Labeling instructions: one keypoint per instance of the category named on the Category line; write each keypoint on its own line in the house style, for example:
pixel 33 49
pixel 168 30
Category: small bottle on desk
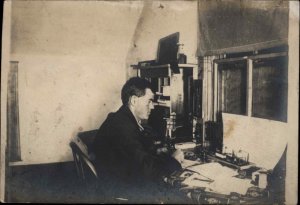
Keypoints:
pixel 182 59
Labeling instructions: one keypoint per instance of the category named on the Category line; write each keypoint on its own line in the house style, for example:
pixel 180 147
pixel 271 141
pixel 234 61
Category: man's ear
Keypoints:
pixel 132 100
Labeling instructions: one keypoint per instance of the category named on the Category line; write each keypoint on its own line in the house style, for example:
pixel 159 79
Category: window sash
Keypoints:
pixel 219 83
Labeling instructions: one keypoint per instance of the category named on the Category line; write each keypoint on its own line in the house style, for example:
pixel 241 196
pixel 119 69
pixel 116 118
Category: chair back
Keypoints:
pixel 83 155
pixel 82 149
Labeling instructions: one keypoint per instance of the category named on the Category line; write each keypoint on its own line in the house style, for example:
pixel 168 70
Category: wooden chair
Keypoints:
pixel 82 154
pixel 84 157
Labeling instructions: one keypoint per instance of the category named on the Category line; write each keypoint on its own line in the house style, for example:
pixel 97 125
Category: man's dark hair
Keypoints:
pixel 134 86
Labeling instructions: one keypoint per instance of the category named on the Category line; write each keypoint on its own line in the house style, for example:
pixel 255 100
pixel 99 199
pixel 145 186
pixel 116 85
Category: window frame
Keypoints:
pixel 217 81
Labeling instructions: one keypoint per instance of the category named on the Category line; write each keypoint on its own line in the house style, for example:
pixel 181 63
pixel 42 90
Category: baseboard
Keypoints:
pixel 22 163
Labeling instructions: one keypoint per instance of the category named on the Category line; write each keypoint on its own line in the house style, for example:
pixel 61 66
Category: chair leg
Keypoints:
pixel 76 164
pixel 82 175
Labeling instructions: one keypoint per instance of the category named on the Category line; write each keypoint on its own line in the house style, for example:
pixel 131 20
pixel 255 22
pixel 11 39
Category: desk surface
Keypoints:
pixel 216 183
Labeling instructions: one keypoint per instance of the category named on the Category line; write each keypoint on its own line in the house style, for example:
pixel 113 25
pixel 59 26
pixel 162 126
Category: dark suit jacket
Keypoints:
pixel 123 150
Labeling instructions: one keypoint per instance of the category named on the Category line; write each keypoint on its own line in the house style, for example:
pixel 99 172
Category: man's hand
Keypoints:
pixel 178 155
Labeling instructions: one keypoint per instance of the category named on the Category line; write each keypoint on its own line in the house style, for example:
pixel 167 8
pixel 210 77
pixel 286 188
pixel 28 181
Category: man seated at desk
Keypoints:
pixel 123 150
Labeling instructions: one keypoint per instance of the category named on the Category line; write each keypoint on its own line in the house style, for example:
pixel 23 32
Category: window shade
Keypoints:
pixel 237 26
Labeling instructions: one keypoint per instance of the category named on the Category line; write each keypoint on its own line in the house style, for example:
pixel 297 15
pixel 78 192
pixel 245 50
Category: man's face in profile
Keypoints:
pixel 144 105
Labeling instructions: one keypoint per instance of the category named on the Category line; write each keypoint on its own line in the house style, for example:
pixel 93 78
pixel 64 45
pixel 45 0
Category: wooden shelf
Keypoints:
pixel 187 65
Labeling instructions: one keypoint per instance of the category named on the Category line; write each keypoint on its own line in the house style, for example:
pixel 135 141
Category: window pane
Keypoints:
pixel 270 88
pixel 233 87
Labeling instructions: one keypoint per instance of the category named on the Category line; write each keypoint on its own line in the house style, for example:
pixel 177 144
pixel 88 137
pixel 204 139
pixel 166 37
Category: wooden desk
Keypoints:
pixel 201 195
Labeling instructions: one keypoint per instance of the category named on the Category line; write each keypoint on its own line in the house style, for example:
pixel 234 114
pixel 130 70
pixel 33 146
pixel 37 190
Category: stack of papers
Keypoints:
pixel 217 178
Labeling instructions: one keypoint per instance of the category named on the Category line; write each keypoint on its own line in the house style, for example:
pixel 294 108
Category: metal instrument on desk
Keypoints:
pixel 170 130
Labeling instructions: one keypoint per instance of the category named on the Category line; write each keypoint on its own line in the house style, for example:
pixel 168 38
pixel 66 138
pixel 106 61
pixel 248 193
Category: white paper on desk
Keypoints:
pixel 193 181
pixel 188 163
pixel 213 170
pixel 223 178
pixel 231 184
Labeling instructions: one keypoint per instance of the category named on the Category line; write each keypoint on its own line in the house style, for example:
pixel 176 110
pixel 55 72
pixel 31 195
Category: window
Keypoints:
pixel 255 85
pixel 233 95
pixel 269 98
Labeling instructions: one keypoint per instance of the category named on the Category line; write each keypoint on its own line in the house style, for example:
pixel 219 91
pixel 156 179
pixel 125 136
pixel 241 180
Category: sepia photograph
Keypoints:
pixel 150 102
